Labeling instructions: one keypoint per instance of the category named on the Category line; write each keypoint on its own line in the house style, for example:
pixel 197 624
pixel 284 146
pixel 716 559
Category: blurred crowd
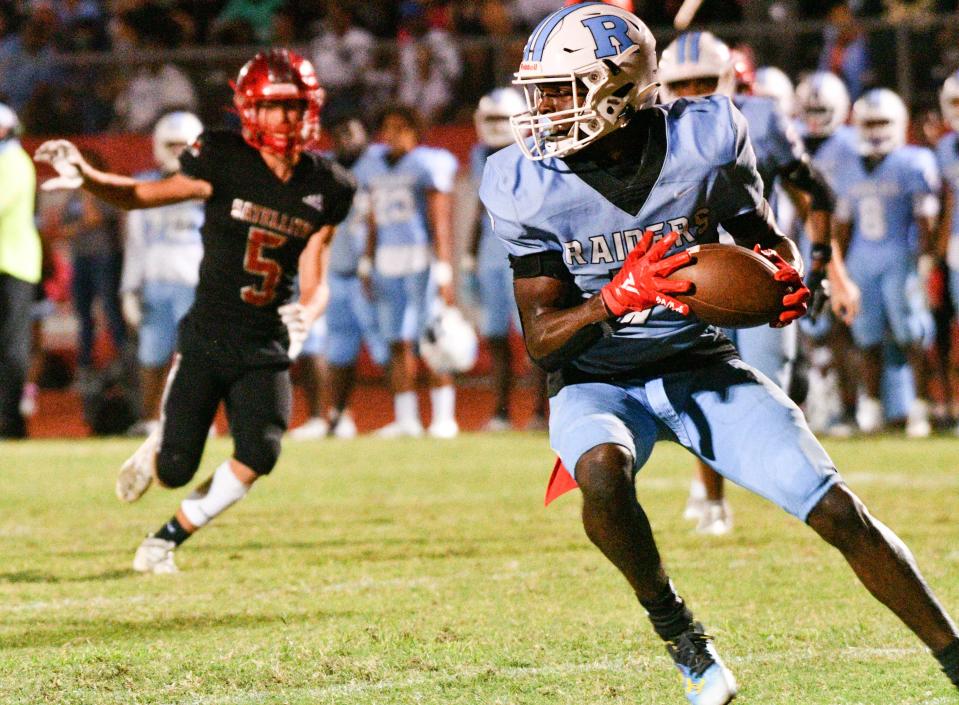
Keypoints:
pixel 152 56
pixel 79 258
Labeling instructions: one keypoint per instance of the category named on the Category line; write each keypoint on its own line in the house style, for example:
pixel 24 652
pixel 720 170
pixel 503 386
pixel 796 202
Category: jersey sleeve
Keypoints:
pixel 497 197
pixel 738 187
pixel 341 195
pixel 440 172
pixel 200 159
pixel 787 146
pixel 925 184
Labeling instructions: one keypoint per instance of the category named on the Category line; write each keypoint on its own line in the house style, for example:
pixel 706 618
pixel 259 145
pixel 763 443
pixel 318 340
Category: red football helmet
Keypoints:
pixel 278 75
pixel 744 66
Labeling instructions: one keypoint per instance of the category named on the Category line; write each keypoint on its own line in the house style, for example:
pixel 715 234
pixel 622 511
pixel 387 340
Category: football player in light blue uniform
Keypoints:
pixel 698 64
pixel 596 165
pixel 486 260
pixel 824 107
pixel 161 266
pixel 947 153
pixel 408 250
pixel 350 319
pixel 886 217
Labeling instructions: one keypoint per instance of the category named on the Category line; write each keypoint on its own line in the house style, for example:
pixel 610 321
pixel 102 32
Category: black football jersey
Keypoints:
pixel 255 229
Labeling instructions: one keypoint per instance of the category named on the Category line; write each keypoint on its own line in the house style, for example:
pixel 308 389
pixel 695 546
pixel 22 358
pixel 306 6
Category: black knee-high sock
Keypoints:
pixel 668 613
pixel 949 660
pixel 172 531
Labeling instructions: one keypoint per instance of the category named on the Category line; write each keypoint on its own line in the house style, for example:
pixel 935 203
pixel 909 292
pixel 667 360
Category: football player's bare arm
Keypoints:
pixel 555 334
pixel 759 228
pixel 439 208
pixel 120 191
pixel 841 234
pixel 945 222
pixel 312 268
pixel 129 194
pixel 926 224
pixel 364 266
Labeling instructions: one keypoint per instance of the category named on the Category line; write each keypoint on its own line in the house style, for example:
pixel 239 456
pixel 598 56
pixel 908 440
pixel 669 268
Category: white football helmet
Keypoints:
pixel 595 48
pixel 949 101
pixel 774 83
pixel 881 119
pixel 492 116
pixel 449 343
pixel 9 122
pixel 172 134
pixel 823 103
pixel 696 55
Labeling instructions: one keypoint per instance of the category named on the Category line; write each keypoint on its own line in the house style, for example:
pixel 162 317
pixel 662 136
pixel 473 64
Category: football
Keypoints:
pixel 733 287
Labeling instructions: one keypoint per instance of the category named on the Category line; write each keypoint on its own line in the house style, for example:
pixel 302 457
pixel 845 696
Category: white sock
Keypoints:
pixel 443 401
pixel 225 491
pixel 406 408
pixel 697 490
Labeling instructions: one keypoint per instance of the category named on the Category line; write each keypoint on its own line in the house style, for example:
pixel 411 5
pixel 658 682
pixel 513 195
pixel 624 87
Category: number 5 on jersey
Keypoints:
pixel 256 263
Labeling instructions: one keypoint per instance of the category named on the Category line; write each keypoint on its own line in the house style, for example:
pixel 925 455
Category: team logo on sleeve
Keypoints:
pixel 314 201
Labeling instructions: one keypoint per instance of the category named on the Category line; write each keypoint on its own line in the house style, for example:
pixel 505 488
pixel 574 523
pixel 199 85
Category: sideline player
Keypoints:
pixel 697 64
pixel 886 223
pixel 351 317
pixel 628 365
pixel 487 259
pixel 947 152
pixel 161 264
pixel 271 209
pixel 410 190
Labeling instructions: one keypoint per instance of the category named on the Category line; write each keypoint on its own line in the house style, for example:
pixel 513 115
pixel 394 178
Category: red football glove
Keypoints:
pixel 642 283
pixel 795 302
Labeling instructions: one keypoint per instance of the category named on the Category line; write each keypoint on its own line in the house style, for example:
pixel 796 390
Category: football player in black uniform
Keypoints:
pixel 271 209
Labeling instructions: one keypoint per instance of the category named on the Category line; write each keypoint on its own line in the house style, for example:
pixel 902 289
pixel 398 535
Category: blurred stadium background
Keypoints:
pixel 102 72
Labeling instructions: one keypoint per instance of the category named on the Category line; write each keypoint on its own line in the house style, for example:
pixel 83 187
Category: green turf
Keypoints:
pixel 425 572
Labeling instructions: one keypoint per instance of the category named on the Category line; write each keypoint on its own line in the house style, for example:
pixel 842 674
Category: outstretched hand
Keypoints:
pixel 795 303
pixel 63 156
pixel 642 282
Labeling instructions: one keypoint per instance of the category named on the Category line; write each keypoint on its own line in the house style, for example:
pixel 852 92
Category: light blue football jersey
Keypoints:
pixel 830 156
pixel 163 244
pixel 490 254
pixel 947 153
pixel 775 139
pixel 881 203
pixel 349 243
pixel 398 191
pixel 708 176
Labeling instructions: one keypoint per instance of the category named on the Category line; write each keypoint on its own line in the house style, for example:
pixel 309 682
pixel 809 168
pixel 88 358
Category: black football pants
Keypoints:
pixel 258 401
pixel 16 299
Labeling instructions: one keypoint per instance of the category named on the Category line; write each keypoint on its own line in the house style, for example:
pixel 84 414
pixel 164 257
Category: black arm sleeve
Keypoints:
pixel 550 264
pixel 804 176
pixel 754 227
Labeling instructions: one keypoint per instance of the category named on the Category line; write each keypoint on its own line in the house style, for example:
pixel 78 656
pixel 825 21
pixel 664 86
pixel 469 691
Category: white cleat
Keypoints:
pixel 717 518
pixel 345 428
pixel 400 430
pixel 869 415
pixel 136 474
pixel 313 429
pixel 498 424
pixel 917 420
pixel 444 429
pixel 155 556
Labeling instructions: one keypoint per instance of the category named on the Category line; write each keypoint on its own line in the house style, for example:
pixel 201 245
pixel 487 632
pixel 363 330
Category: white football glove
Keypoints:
pixel 293 316
pixel 132 311
pixel 63 156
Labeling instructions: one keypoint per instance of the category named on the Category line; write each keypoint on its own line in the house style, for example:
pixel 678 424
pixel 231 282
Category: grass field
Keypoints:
pixel 418 572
